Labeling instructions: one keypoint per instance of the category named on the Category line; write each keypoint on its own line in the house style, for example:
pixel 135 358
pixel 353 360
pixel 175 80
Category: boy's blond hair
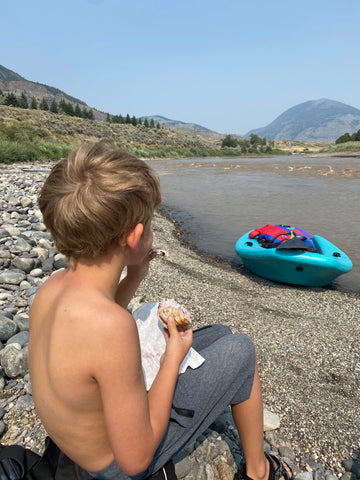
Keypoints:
pixel 94 196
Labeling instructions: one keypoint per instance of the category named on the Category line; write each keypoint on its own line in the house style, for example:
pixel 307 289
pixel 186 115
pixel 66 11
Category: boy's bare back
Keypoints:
pixel 69 340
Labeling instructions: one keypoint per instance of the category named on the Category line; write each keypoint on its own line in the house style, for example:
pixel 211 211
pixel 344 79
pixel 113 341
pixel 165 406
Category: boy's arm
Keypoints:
pixel 136 420
pixel 127 288
pixel 129 284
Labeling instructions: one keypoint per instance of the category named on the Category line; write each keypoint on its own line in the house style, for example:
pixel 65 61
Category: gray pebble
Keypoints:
pixel 21 338
pixel 24 264
pixel 304 476
pixel 8 328
pixel 14 360
pixel 22 321
pixel 14 278
pixel 2 428
pixel 351 466
pixel 348 476
pixel 21 245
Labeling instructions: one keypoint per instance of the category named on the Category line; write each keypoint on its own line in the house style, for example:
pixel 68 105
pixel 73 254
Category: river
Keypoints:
pixel 216 200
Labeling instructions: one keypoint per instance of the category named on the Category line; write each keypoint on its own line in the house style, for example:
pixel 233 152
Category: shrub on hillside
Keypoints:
pixel 11 152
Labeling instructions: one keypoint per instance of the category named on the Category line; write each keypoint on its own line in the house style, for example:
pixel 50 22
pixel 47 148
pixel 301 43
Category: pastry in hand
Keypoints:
pixel 169 308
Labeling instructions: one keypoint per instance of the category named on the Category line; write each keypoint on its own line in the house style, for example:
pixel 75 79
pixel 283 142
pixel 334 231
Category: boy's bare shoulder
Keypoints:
pixel 87 310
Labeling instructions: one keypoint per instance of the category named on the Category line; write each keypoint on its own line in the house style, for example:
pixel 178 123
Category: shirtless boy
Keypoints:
pixel 84 352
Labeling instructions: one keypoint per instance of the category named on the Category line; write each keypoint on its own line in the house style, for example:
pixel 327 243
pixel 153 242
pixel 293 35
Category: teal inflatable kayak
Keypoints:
pixel 314 266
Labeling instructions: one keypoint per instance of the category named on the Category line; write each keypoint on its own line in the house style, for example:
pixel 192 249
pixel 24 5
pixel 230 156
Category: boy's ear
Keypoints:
pixel 133 237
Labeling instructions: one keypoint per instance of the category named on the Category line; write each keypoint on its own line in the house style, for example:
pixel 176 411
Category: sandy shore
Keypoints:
pixel 307 341
pixel 333 154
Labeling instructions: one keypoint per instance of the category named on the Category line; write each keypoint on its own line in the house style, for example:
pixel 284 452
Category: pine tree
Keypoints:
pixel 33 103
pixel 152 123
pixel 88 113
pixel 108 119
pixel 77 111
pixel 54 107
pixel 133 121
pixel 70 109
pixel 343 139
pixel 117 119
pixel 23 103
pixel 11 100
pixel 356 136
pixel 62 106
pixel 127 119
pixel 44 104
pixel 146 122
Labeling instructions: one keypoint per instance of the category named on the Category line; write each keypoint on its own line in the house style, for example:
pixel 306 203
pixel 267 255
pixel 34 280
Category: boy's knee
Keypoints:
pixel 242 348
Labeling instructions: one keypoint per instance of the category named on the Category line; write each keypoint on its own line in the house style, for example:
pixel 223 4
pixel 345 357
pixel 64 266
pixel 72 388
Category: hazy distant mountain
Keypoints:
pixel 188 128
pixel 316 120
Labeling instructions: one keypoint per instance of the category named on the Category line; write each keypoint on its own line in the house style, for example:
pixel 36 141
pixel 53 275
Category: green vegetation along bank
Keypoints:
pixel 29 135
pixel 33 135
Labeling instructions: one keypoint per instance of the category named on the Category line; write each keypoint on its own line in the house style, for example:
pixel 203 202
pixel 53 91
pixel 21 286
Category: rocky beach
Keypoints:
pixel 307 343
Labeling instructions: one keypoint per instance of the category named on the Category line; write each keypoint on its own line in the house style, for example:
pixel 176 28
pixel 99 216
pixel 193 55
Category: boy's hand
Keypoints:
pixel 140 270
pixel 178 342
pixel 129 284
pixel 135 273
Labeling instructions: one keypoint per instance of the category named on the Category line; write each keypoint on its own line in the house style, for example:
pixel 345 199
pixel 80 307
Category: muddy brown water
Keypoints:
pixel 216 200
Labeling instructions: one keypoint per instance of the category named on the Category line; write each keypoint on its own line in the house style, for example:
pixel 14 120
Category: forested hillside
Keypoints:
pixel 27 134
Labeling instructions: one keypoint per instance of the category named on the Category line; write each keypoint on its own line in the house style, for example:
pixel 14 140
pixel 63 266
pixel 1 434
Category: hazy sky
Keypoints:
pixel 229 65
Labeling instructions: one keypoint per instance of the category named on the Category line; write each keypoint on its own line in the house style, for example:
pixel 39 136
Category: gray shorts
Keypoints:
pixel 201 395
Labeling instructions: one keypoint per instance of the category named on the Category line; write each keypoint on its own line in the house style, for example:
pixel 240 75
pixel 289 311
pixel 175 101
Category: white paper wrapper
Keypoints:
pixel 153 343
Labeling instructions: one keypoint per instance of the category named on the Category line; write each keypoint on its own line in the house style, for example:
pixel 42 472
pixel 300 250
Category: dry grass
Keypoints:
pixel 28 126
pixel 293 146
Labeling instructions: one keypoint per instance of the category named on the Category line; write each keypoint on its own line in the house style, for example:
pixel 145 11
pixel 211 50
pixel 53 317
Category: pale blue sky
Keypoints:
pixel 229 65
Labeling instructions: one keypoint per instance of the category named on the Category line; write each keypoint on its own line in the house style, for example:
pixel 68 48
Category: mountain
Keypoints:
pixel 188 128
pixel 316 120
pixel 15 83
pixel 12 82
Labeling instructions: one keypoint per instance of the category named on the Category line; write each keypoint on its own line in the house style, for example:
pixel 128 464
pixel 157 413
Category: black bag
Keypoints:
pixel 69 470
pixel 20 463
